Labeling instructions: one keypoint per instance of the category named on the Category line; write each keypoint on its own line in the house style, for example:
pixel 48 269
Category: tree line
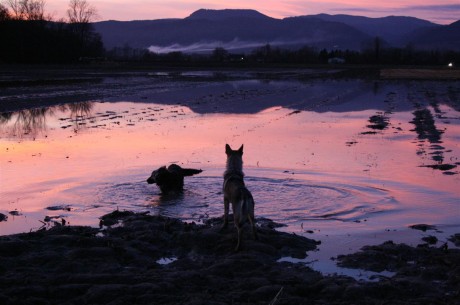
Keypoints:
pixel 269 55
pixel 29 35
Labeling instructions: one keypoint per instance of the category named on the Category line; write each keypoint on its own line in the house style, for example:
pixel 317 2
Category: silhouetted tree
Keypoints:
pixel 34 9
pixel 263 54
pixel 219 54
pixel 323 56
pixel 15 7
pixel 307 54
pixel 377 46
pixel 4 14
pixel 80 11
pixel 27 9
pixel 34 38
pixel 81 14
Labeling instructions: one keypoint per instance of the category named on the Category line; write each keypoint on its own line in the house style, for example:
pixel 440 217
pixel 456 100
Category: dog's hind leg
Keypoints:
pixel 226 207
pixel 253 226
pixel 239 230
pixel 238 220
pixel 251 217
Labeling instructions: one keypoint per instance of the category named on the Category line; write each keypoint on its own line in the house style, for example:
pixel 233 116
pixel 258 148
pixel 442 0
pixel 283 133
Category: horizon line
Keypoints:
pixel 268 16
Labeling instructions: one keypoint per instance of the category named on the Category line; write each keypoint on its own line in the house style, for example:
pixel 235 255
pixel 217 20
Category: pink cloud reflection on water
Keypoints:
pixel 341 171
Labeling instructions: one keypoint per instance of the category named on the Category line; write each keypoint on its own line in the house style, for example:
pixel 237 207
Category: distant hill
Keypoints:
pixel 242 30
pixel 219 15
pixel 393 29
pixel 440 37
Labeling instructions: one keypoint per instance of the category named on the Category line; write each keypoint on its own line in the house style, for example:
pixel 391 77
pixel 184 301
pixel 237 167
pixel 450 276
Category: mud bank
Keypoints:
pixel 142 259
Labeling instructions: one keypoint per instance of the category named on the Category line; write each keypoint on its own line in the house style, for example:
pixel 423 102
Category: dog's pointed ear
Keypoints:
pixel 228 149
pixel 240 150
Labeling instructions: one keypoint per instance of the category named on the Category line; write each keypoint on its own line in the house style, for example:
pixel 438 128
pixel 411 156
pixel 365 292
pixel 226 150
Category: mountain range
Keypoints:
pixel 242 30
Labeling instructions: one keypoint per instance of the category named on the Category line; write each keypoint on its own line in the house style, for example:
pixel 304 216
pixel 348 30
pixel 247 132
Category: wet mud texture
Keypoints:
pixel 79 265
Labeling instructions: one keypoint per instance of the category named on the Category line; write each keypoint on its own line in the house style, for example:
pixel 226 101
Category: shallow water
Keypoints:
pixel 330 159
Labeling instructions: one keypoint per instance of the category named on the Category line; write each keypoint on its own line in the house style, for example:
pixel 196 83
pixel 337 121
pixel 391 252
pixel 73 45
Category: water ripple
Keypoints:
pixel 283 200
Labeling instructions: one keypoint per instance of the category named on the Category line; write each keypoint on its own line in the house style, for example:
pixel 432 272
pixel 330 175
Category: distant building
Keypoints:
pixel 336 60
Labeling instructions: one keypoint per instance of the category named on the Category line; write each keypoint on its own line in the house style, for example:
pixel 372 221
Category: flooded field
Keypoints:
pixel 328 158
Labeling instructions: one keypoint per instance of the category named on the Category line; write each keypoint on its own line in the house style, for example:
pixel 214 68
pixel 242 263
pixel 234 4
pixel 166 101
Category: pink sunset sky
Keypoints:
pixel 442 12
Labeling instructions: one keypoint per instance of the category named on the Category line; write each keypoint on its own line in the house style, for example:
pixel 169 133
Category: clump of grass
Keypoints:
pixel 276 298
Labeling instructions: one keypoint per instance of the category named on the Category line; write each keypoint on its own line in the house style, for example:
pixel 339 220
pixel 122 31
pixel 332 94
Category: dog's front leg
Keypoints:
pixel 253 225
pixel 239 231
pixel 226 207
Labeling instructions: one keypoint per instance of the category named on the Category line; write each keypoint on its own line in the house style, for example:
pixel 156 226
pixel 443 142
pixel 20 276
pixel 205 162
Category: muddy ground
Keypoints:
pixel 157 260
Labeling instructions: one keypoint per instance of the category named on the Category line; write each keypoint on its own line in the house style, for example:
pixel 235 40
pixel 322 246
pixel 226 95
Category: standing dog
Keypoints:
pixel 235 192
pixel 171 179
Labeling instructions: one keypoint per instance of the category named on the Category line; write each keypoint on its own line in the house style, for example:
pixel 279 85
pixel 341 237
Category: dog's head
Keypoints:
pixel 229 151
pixel 158 176
pixel 234 158
pixel 168 179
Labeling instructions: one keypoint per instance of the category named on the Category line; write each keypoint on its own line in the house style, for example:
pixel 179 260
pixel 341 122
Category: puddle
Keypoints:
pixel 312 160
pixel 330 268
pixel 166 260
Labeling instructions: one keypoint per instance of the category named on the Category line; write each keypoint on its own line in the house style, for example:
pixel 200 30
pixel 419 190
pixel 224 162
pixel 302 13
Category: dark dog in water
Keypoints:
pixel 171 179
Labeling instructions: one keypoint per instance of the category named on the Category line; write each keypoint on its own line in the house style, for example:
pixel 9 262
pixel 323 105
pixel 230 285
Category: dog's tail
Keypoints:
pixel 190 171
pixel 247 204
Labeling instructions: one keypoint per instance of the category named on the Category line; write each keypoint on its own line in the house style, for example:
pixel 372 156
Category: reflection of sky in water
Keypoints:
pixel 306 169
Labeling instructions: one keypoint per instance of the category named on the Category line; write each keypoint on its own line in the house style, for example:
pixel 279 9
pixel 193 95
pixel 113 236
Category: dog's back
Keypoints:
pixel 241 198
pixel 171 179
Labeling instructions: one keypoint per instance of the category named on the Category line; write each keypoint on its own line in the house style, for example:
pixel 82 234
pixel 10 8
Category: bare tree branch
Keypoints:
pixel 4 14
pixel 27 9
pixel 34 9
pixel 15 7
pixel 80 11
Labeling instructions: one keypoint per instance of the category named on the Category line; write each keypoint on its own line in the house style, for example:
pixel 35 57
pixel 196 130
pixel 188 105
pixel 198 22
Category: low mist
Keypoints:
pixel 210 46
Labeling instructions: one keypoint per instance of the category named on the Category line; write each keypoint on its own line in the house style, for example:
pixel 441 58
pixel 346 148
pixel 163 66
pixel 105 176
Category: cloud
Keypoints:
pixel 446 8
pixel 441 13
pixel 364 10
pixel 449 8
